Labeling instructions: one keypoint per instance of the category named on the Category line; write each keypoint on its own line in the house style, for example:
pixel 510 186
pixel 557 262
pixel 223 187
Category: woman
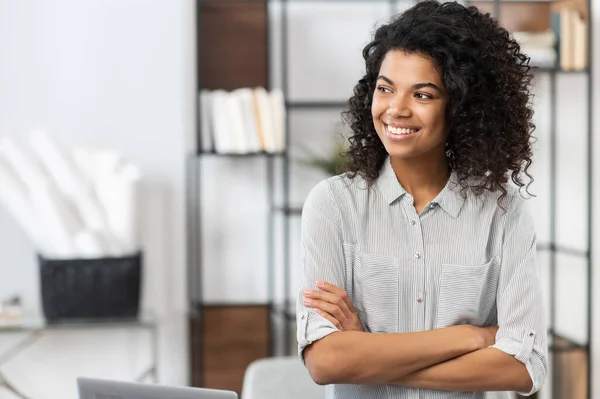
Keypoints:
pixel 419 275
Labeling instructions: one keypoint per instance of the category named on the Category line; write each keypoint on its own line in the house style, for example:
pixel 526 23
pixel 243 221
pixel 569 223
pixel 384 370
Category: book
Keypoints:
pixel 245 98
pixel 566 39
pixel 265 114
pixel 580 40
pixel 278 112
pixel 206 130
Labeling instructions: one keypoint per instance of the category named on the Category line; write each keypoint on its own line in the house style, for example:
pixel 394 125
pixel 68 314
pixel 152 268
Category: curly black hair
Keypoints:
pixel 487 79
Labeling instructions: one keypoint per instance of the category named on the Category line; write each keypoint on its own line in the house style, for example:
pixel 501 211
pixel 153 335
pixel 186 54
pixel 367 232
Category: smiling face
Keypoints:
pixel 409 107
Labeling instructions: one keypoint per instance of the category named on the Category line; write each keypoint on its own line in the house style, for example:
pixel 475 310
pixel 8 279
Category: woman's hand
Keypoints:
pixel 333 303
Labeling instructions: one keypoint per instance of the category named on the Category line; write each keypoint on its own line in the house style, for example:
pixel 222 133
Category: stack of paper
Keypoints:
pixel 539 46
pixel 71 204
pixel 242 121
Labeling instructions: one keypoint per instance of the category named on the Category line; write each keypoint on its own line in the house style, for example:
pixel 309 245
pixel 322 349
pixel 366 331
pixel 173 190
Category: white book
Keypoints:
pixel 236 125
pixel 545 40
pixel 220 122
pixel 540 57
pixel 278 114
pixel 265 114
pixel 245 98
pixel 579 41
pixel 206 132
pixel 566 39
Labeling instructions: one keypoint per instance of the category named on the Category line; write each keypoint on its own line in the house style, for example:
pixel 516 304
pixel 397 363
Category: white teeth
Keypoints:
pixel 401 131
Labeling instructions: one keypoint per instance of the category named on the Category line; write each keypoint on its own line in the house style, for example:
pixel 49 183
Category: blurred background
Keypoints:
pixel 159 242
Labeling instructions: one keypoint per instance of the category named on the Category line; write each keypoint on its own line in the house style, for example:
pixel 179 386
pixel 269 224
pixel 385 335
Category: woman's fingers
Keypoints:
pixel 332 309
pixel 333 304
pixel 328 287
pixel 330 298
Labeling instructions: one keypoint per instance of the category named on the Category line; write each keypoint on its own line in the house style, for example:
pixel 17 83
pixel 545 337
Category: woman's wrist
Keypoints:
pixel 481 337
pixel 475 337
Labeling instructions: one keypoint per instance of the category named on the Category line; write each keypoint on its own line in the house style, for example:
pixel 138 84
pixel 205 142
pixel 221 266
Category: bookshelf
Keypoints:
pixel 570 357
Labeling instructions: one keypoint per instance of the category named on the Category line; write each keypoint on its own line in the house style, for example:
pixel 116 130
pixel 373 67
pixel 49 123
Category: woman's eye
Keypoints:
pixel 423 96
pixel 384 89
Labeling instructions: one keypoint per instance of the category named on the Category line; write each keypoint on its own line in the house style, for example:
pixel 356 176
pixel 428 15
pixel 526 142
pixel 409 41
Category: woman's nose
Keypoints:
pixel 399 108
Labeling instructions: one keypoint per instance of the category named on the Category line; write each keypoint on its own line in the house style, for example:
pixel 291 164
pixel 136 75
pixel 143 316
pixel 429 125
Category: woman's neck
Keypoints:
pixel 423 179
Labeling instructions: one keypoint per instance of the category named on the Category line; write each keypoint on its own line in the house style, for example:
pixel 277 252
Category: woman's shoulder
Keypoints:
pixel 327 193
pixel 514 200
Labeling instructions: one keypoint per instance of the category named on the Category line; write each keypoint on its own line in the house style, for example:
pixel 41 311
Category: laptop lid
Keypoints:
pixel 91 388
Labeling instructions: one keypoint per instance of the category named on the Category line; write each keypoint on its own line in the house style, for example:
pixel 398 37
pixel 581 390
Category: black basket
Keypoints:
pixel 102 288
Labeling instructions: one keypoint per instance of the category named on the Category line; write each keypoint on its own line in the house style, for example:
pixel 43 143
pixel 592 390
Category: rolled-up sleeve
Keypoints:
pixel 522 327
pixel 323 259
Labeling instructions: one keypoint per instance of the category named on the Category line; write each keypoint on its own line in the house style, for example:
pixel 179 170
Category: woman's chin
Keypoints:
pixel 397 151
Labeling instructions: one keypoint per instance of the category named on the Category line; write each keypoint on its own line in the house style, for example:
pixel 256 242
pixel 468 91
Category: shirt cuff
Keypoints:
pixel 523 352
pixel 311 327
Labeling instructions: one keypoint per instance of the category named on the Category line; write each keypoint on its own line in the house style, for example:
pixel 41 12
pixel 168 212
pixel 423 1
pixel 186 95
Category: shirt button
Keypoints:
pixel 419 300
pixel 413 222
pixel 417 255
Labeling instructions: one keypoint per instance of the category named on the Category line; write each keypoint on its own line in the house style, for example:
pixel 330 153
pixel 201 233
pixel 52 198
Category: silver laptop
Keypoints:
pixel 90 388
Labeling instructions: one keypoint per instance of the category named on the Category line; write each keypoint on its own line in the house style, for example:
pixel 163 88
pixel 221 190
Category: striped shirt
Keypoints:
pixel 462 260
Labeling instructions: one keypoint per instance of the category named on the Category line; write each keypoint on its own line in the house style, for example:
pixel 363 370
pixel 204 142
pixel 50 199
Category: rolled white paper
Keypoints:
pixel 13 197
pixel 97 163
pixel 58 226
pixel 72 182
pixel 119 193
pixel 53 210
pixel 24 165
pixel 88 245
pixel 83 159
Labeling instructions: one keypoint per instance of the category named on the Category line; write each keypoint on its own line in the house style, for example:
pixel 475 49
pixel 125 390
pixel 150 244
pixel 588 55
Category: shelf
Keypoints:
pixel 316 104
pixel 561 71
pixel 244 155
pixel 289 211
pixel 563 250
pixel 563 344
pixel 280 310
pixel 512 1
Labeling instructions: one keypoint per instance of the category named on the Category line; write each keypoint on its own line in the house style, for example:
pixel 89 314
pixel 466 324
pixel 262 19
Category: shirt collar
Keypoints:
pixel 450 199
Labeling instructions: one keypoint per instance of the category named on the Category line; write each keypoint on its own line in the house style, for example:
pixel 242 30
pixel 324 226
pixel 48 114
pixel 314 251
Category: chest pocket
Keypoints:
pixel 374 289
pixel 467 294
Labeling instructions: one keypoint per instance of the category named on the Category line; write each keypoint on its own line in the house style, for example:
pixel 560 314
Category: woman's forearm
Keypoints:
pixel 367 358
pixel 487 369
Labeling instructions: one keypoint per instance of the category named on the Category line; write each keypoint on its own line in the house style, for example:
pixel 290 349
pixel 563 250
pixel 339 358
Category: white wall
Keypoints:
pixel 116 74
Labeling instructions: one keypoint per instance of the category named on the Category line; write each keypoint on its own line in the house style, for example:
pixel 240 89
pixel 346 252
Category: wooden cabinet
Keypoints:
pixel 225 340
pixel 232 44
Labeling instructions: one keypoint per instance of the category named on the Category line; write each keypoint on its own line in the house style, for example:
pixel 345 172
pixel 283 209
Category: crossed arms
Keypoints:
pixel 454 358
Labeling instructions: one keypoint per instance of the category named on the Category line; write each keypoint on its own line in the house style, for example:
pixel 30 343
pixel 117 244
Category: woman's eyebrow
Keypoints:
pixel 385 79
pixel 416 86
